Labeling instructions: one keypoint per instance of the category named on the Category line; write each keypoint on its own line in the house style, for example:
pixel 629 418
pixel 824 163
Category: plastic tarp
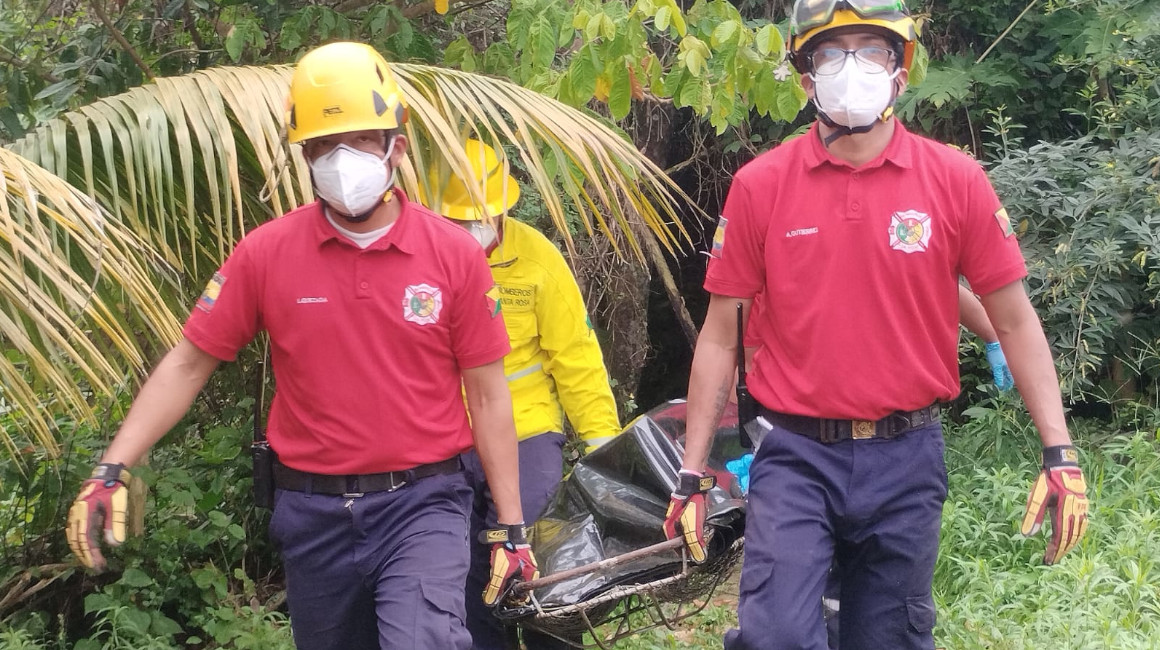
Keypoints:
pixel 614 501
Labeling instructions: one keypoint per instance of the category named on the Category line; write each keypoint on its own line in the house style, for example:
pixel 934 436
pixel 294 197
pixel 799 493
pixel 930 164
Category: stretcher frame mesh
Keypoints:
pixel 629 609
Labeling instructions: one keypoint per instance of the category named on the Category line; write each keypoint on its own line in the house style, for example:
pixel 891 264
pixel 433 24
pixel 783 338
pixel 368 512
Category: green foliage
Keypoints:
pixel 990 586
pixel 704 630
pixel 203 574
pixel 953 81
pixel 708 58
pixel 1088 218
pixel 1063 69
pixel 59 56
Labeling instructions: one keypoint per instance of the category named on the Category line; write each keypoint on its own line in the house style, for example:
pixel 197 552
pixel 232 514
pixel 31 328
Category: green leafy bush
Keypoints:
pixel 1063 69
pixel 204 574
pixel 991 588
pixel 1088 217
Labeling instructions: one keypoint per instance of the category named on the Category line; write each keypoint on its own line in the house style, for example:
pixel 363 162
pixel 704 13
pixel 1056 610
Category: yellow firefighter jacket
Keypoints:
pixel 555 366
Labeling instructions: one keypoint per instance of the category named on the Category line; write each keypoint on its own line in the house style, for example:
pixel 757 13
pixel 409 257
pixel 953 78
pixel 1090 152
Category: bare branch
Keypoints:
pixel 10 58
pixel 191 26
pixel 29 582
pixel 120 38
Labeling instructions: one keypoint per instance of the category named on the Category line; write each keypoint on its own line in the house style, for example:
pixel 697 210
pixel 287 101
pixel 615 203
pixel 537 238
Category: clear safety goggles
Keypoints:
pixel 809 14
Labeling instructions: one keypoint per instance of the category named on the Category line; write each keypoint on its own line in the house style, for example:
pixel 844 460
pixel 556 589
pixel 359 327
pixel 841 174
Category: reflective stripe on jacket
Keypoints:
pixel 555 366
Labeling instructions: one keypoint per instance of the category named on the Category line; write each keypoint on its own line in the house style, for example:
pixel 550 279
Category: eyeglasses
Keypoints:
pixel 372 142
pixel 830 60
pixel 808 14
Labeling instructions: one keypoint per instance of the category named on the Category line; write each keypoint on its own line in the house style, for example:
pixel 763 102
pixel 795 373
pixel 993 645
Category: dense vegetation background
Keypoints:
pixel 1059 99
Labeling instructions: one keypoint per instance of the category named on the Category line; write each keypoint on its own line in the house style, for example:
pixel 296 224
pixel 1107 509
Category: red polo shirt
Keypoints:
pixel 860 269
pixel 366 344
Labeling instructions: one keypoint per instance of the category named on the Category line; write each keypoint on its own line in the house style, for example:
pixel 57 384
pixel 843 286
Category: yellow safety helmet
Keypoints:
pixel 342 87
pixel 811 18
pixel 500 190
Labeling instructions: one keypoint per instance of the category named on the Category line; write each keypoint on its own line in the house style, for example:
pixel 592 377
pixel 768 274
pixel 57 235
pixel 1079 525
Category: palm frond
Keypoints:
pixel 188 164
pixel 192 162
pixel 608 182
pixel 77 294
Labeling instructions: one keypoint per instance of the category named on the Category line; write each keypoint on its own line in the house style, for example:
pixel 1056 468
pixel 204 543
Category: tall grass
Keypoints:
pixel 990 585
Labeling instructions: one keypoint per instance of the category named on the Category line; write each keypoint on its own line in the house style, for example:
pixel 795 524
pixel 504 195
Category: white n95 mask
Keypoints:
pixel 483 233
pixel 854 98
pixel 352 182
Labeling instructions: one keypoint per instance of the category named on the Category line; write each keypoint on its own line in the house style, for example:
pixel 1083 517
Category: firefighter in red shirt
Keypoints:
pixel 377 311
pixel 856 235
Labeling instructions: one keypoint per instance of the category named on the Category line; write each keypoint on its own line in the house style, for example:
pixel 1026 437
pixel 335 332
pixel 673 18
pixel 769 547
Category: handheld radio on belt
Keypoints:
pixel 746 405
pixel 260 452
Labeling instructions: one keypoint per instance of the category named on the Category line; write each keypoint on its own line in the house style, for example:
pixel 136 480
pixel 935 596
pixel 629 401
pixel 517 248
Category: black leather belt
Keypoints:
pixel 829 431
pixel 287 478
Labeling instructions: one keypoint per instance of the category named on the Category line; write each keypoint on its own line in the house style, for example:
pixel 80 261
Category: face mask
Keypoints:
pixel 352 182
pixel 852 97
pixel 483 233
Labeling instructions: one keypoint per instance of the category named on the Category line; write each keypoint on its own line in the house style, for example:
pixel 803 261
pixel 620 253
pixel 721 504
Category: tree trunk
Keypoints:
pixel 652 133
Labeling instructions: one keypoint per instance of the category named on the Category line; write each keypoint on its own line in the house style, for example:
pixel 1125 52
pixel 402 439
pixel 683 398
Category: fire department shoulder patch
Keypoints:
pixel 212 290
pixel 1004 222
pixel 422 304
pixel 910 231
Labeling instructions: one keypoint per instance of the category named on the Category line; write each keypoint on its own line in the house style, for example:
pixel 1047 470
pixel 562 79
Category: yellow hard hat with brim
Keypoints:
pixel 342 87
pixel 499 189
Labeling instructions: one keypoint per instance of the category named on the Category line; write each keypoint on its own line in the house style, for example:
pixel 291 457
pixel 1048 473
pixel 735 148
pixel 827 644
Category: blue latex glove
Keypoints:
pixel 740 469
pixel 999 369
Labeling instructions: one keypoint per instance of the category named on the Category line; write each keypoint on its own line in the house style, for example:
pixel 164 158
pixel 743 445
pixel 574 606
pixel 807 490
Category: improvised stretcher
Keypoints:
pixel 607 567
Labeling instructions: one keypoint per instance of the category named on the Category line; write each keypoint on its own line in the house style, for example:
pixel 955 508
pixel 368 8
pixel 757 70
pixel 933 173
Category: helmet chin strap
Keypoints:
pixel 841 129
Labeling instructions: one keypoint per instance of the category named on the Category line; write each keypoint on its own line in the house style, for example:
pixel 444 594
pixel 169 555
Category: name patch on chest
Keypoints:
pixel 517 297
pixel 422 304
pixel 910 231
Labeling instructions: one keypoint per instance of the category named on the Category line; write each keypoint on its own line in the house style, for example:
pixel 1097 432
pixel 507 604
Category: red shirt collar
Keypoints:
pixel 401 235
pixel 899 151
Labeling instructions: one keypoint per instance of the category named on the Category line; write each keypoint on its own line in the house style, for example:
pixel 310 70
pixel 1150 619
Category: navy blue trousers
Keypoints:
pixel 382 571
pixel 875 506
pixel 541 466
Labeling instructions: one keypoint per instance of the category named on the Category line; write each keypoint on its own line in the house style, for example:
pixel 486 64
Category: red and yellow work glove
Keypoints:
pixel 511 561
pixel 686 514
pixel 1061 490
pixel 102 502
